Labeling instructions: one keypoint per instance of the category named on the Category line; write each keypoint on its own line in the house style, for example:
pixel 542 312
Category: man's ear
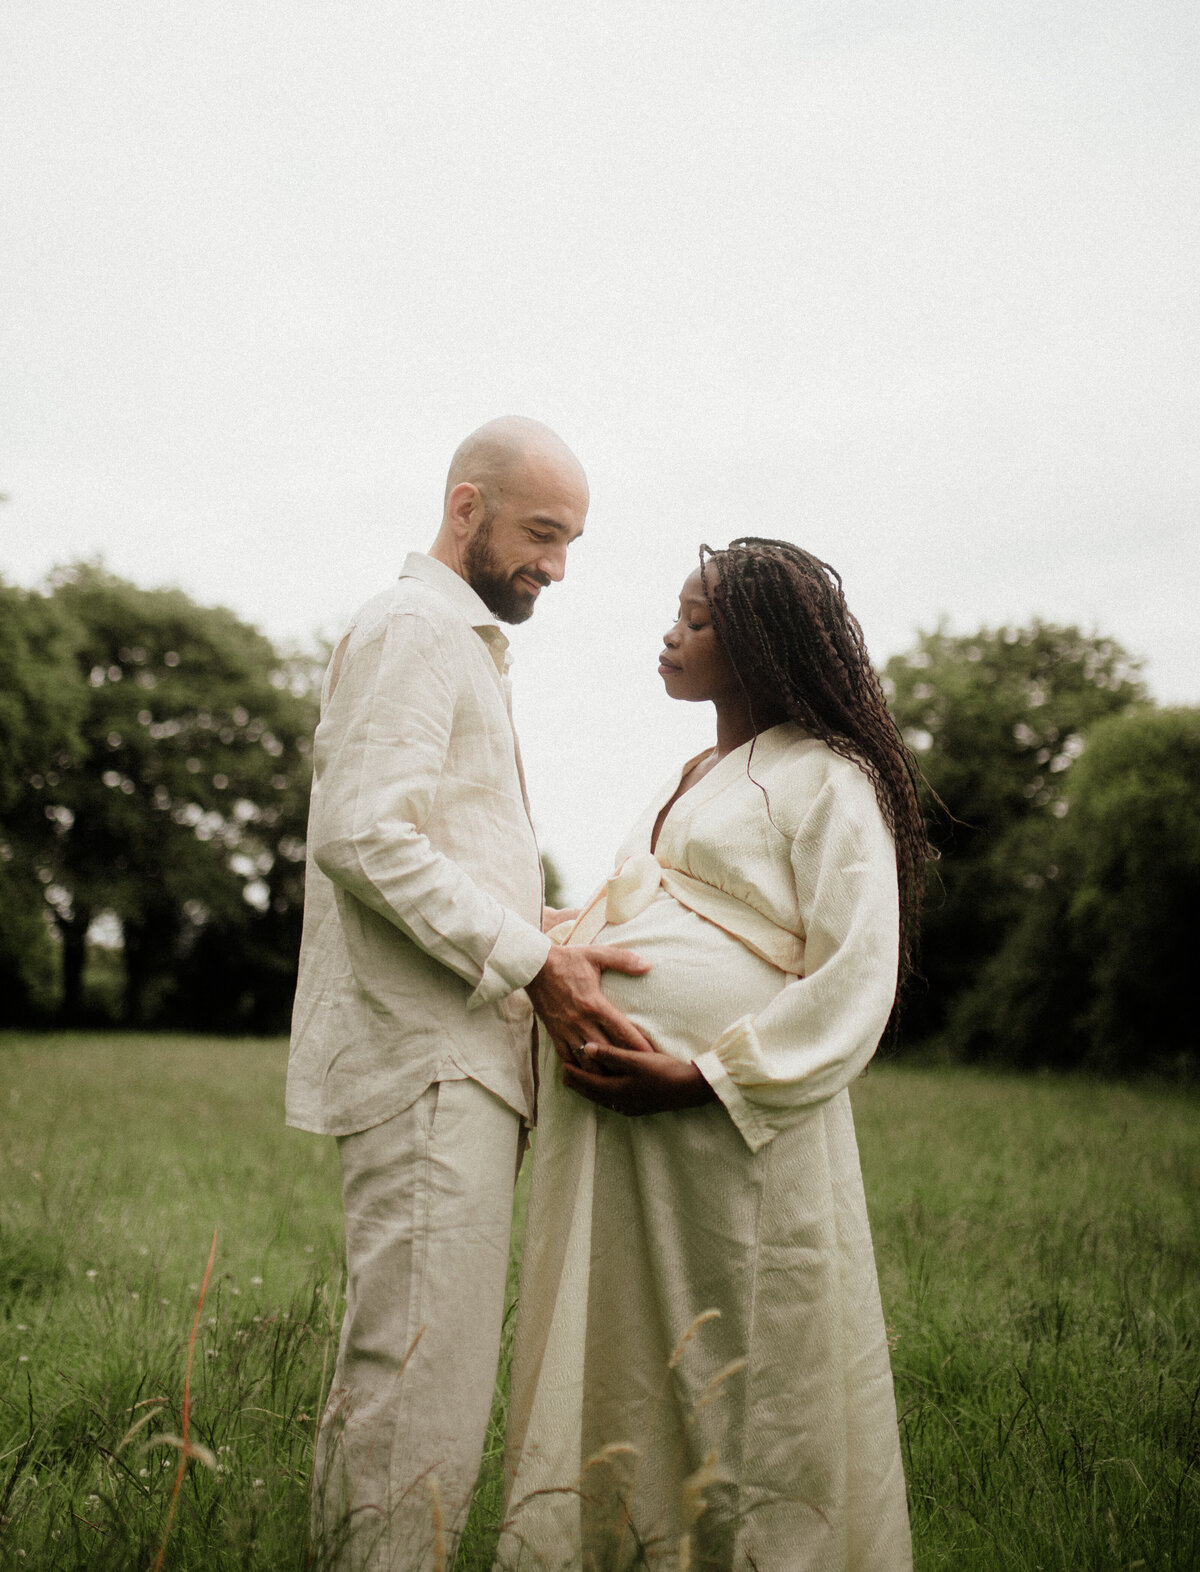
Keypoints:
pixel 464 509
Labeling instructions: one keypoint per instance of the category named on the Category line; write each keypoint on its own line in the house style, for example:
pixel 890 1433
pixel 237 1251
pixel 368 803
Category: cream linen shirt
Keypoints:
pixel 423 884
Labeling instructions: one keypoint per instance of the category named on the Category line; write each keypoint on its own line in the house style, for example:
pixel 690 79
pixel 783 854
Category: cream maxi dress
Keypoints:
pixel 701 1373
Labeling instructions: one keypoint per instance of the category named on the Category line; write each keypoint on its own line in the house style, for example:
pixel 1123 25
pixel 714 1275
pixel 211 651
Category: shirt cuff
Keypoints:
pixel 753 1128
pixel 516 958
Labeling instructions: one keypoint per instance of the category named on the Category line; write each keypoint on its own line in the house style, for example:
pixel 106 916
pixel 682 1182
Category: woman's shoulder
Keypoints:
pixel 788 749
pixel 799 769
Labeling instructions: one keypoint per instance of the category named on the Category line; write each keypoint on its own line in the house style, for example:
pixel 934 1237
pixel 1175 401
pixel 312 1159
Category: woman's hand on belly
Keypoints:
pixel 636 1083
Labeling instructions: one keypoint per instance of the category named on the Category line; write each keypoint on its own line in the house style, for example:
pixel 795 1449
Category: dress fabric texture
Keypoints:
pixel 701 1374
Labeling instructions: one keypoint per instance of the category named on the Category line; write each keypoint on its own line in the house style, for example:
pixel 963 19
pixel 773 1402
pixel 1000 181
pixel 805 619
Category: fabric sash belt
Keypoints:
pixel 638 880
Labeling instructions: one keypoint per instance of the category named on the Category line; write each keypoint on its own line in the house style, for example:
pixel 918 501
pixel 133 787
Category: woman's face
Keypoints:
pixel 693 663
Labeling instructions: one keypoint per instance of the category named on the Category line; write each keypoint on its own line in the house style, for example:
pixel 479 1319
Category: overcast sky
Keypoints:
pixel 914 285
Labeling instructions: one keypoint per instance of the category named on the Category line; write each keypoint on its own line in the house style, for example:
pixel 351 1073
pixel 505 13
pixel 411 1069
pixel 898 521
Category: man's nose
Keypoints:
pixel 553 563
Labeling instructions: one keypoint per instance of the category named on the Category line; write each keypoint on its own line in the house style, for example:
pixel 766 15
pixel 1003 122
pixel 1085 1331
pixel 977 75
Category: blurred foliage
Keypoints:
pixel 1096 969
pixel 174 803
pixel 552 880
pixel 41 708
pixel 998 719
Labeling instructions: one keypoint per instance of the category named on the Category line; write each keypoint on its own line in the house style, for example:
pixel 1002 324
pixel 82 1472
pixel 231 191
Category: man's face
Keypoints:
pixel 520 544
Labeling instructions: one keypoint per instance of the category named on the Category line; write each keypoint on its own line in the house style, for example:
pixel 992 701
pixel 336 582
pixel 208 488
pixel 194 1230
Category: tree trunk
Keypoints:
pixel 73 933
pixel 149 953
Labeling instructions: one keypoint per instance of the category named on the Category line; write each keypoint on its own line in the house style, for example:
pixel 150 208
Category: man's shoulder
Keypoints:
pixel 408 599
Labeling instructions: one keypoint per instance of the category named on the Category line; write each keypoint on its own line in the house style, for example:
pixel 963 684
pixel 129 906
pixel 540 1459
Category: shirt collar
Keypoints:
pixel 419 565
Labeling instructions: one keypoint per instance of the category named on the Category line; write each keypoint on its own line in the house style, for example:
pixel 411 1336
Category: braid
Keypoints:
pixel 781 616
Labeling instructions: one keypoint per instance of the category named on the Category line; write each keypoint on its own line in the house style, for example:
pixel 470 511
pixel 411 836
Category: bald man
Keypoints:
pixel 423 948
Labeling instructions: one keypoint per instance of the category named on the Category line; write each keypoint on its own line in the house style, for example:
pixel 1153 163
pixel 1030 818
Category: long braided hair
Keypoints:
pixel 795 645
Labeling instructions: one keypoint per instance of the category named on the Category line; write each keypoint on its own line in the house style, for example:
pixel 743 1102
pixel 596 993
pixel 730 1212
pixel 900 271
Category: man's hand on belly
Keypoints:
pixel 566 995
pixel 636 1083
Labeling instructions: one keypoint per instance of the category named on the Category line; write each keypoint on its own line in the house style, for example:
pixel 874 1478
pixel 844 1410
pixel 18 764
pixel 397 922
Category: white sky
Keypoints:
pixel 912 284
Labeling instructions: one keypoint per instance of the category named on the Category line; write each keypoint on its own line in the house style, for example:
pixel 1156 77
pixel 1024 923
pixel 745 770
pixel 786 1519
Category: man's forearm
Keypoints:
pixel 434 902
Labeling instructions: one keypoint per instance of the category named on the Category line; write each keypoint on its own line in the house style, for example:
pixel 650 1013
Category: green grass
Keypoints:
pixel 1039 1252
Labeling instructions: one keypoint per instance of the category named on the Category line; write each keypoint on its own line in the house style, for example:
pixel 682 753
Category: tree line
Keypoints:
pixel 155 761
pixel 1066 808
pixel 154 782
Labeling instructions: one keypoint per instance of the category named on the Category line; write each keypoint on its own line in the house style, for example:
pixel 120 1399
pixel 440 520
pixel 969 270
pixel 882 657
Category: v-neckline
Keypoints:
pixel 677 796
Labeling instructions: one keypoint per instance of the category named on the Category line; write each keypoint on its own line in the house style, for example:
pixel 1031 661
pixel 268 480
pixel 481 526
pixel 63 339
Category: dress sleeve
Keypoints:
pixel 820 1030
pixel 380 751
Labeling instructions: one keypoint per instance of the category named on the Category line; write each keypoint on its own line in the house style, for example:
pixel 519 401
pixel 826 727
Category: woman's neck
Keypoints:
pixel 738 723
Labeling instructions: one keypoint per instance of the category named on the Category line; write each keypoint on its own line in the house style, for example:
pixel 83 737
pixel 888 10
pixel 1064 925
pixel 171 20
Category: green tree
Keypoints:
pixel 998 719
pixel 183 812
pixel 1098 971
pixel 1131 856
pixel 41 705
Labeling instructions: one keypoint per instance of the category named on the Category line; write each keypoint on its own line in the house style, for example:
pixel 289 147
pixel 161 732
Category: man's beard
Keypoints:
pixel 502 596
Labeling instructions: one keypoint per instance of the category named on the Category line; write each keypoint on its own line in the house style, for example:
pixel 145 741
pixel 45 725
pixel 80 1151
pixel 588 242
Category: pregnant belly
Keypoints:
pixel 701 978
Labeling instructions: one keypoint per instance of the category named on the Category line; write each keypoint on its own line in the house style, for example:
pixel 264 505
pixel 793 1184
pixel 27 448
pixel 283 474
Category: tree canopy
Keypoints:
pixel 41 708
pixel 998 719
pixel 1097 968
pixel 177 803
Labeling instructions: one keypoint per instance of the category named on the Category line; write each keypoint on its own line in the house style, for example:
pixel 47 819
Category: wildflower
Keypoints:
pixel 259 1484
pixel 143 1473
pixel 92 1272
pixel 22 1359
pixel 257 1281
pixel 21 1327
pixel 143 1250
pixel 135 1295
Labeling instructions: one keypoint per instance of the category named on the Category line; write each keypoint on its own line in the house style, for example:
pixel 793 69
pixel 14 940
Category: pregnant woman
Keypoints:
pixel 701 1374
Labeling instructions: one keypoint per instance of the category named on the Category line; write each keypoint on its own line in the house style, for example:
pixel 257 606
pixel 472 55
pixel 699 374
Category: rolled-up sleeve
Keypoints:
pixel 819 1032
pixel 380 753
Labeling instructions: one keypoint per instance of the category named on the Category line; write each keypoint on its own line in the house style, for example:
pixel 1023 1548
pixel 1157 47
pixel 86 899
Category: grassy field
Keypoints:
pixel 1039 1252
